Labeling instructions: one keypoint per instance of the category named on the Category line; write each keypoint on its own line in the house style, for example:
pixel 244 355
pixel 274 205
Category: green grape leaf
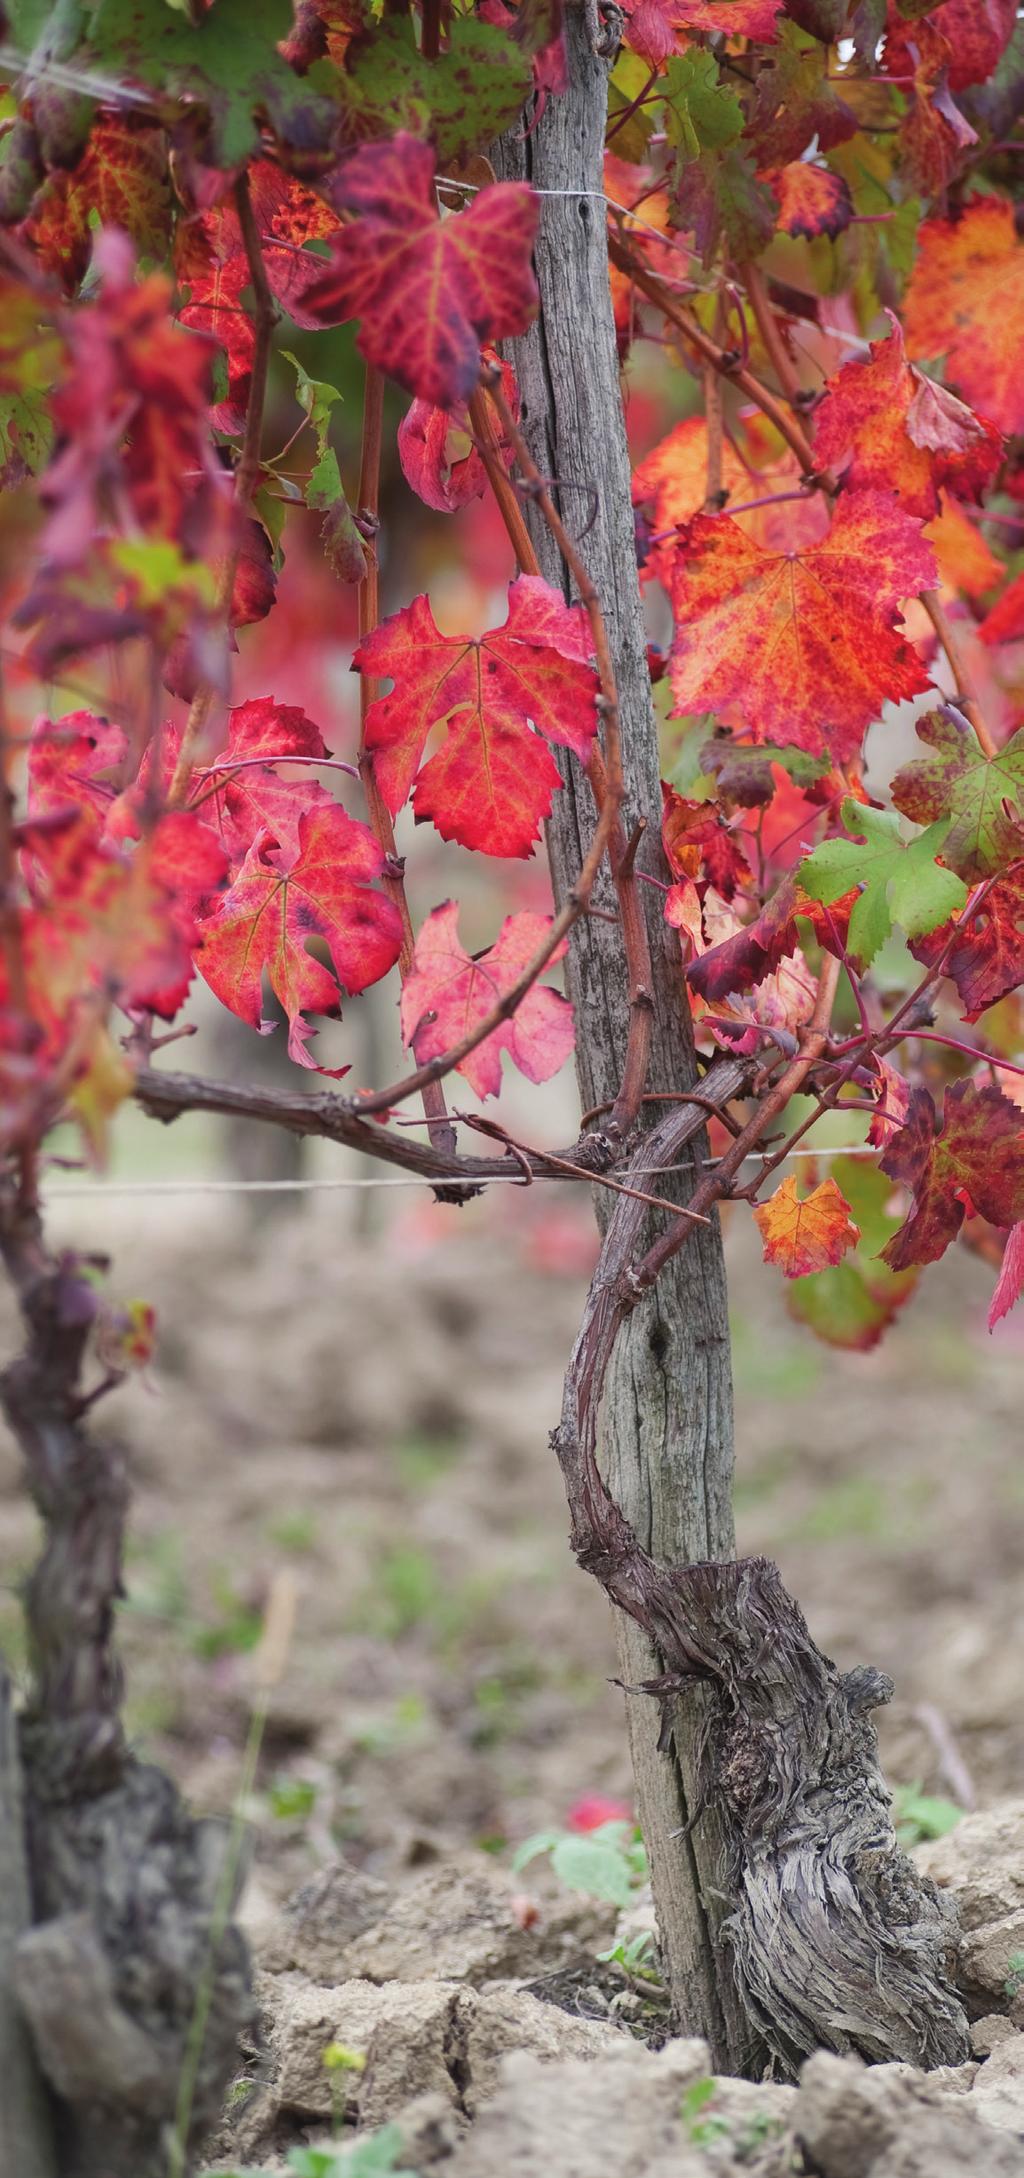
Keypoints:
pixel 228 62
pixel 899 880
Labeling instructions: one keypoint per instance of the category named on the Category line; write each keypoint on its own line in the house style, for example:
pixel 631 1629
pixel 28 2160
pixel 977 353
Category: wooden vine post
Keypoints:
pixel 668 1435
pixel 772 1924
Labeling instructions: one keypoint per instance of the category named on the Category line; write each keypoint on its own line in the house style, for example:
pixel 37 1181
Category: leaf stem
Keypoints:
pixel 813 1040
pixel 606 780
pixel 968 697
pixel 246 474
pixel 441 1132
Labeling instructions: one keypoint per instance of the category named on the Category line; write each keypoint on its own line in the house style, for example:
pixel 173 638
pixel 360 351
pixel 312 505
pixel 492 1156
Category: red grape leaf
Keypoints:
pixel 1005 622
pixel 801 646
pixel 753 952
pixel 438 457
pixel 983 795
pixel 447 993
pixel 978 32
pixel 651 25
pixel 491 783
pixel 966 302
pixel 808 1235
pixel 883 425
pixel 70 763
pixel 934 133
pixel 121 180
pixel 212 269
pixel 1010 1283
pixel 131 371
pixel 975 1161
pixel 699 844
pixel 986 948
pixel 811 199
pixel 428 291
pixel 325 891
pixel 241 804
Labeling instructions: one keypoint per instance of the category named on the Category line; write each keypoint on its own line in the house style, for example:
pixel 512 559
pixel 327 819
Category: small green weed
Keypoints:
pixel 917 1815
pixel 1015 1978
pixel 609 1862
pixel 291 1799
pixel 636 1958
pixel 374 2157
pixel 701 2130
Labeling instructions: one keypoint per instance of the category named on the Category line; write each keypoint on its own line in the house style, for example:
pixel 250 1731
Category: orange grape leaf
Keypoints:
pixel 965 302
pixel 448 992
pixel 883 425
pixel 490 784
pixel 803 646
pixel 811 199
pixel 967 563
pixel 807 1235
pixel 674 475
pixel 973 1163
pixel 266 920
pixel 429 291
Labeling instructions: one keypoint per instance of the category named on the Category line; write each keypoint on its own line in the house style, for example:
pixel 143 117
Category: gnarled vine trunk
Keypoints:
pixel 788 1917
pixel 125 1886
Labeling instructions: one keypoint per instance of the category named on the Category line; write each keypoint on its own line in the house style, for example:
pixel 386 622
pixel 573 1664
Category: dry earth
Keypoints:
pixel 371 1412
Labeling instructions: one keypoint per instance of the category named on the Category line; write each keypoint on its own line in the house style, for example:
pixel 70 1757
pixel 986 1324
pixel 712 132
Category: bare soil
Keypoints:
pixel 372 1412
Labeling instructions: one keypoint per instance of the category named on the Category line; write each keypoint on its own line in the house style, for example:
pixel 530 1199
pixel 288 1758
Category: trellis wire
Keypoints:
pixel 86 1191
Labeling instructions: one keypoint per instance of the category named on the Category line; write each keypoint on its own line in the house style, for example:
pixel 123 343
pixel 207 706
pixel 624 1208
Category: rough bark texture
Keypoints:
pixel 831 1938
pixel 26 2140
pixel 667 1439
pixel 123 1882
pixel 790 1920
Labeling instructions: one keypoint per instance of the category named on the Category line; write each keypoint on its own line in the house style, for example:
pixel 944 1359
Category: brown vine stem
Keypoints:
pixel 813 1040
pixel 768 326
pixel 489 449
pixel 441 1132
pixel 611 785
pixel 246 474
pixel 968 693
pixel 710 350
pixel 331 1118
pixel 11 939
pixel 714 421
